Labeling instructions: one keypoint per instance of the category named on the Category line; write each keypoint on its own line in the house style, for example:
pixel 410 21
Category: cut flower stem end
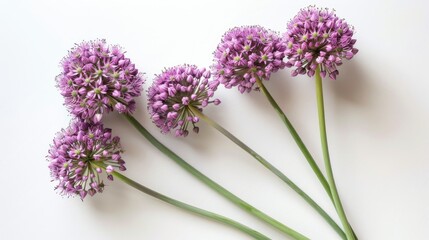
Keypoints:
pixel 198 211
pixel 272 168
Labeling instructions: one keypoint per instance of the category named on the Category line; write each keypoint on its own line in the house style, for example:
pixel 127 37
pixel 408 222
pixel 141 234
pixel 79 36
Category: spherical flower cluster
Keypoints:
pixel 175 93
pixel 318 37
pixel 97 78
pixel 247 53
pixel 73 154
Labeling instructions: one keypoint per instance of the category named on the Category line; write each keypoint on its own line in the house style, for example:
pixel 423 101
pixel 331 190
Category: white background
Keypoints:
pixel 377 115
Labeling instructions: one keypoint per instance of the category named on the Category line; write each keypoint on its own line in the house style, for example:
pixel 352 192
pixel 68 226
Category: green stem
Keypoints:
pixel 297 139
pixel 270 167
pixel 213 216
pixel 212 184
pixel 299 142
pixel 324 141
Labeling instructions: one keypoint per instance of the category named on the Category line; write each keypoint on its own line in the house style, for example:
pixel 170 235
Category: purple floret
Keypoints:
pixel 318 37
pixel 75 149
pixel 97 78
pixel 172 94
pixel 247 53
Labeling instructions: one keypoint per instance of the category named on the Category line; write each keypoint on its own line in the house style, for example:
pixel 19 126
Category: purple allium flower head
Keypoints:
pixel 318 37
pixel 97 78
pixel 73 153
pixel 246 53
pixel 172 94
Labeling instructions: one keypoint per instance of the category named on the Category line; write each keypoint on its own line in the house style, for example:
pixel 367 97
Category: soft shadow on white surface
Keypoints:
pixel 377 114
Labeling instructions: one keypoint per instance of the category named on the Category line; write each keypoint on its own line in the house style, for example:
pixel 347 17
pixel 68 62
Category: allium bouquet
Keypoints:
pixel 97 78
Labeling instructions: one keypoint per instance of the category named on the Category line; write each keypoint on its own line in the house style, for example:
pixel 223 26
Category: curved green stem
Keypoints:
pixel 212 184
pixel 324 141
pixel 297 139
pixel 270 167
pixel 213 216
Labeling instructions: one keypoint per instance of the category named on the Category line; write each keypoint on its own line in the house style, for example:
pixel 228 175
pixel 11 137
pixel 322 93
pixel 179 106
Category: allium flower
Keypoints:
pixel 73 154
pixel 97 78
pixel 174 92
pixel 246 53
pixel 318 37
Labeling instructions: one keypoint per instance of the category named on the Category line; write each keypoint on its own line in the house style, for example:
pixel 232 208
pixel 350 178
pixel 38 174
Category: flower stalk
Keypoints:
pixel 324 141
pixel 297 138
pixel 212 184
pixel 198 211
pixel 270 167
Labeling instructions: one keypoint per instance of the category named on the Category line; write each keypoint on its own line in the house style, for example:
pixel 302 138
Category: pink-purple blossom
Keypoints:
pixel 173 95
pixel 73 154
pixel 318 37
pixel 247 53
pixel 98 78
